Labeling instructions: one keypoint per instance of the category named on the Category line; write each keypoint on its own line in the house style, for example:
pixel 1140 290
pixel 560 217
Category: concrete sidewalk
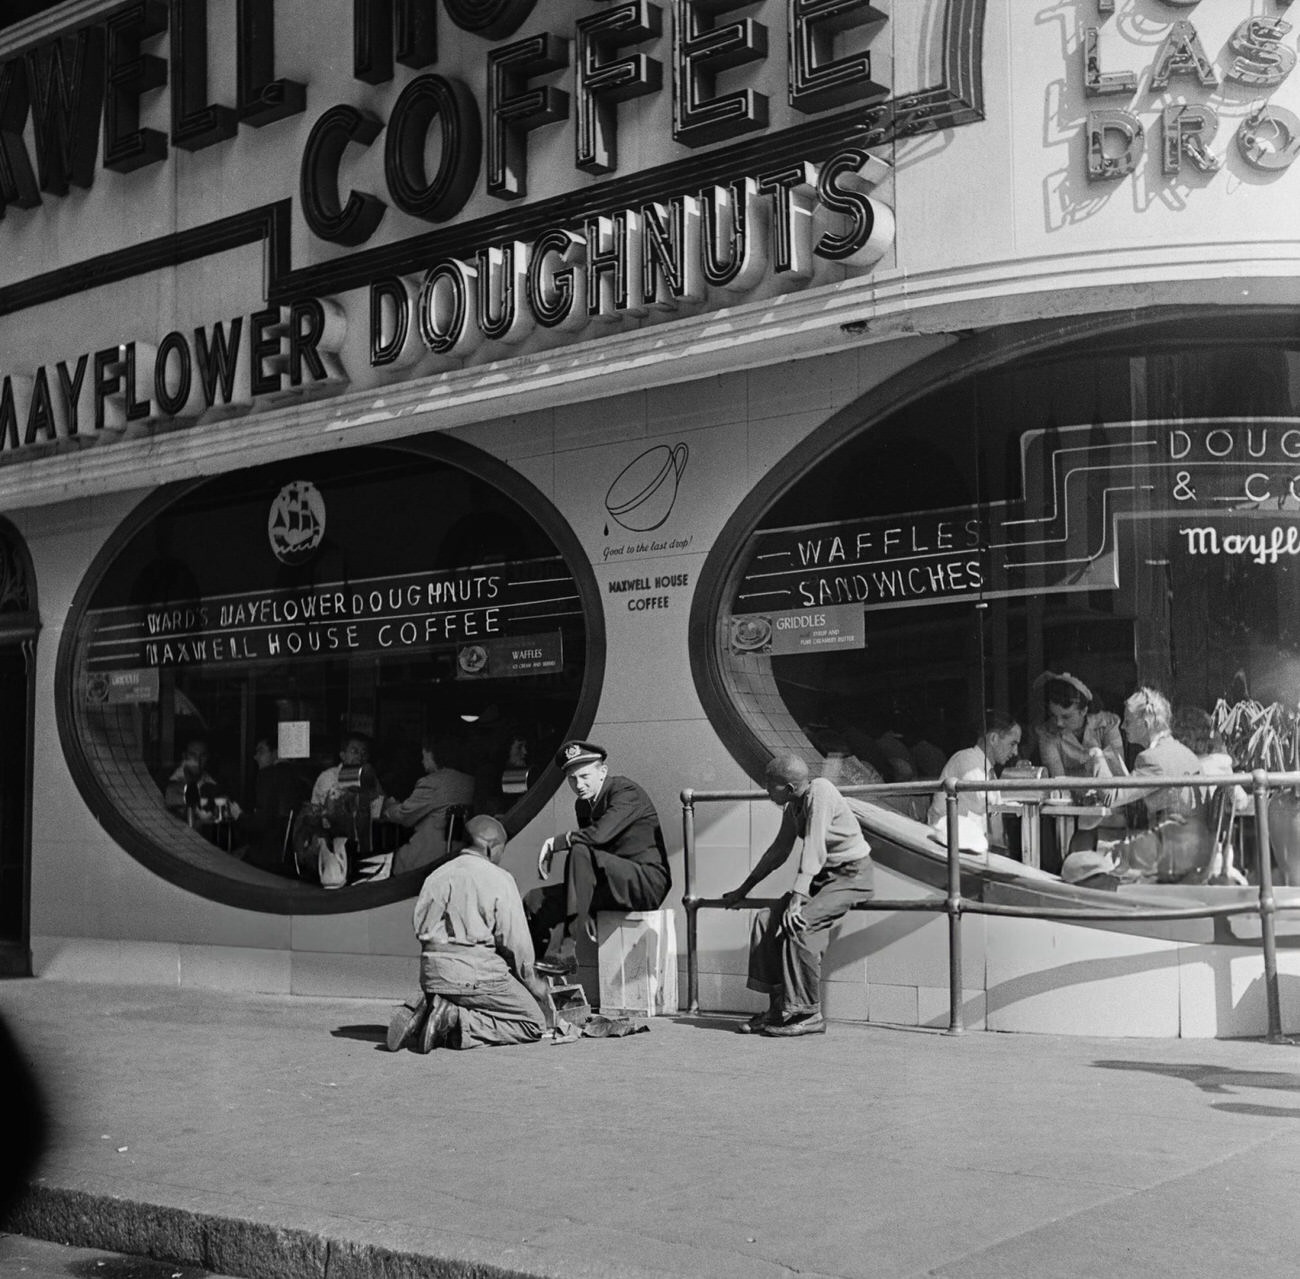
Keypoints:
pixel 273 1137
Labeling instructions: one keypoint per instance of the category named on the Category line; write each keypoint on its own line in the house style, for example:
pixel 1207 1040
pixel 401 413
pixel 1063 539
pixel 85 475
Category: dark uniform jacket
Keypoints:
pixel 622 820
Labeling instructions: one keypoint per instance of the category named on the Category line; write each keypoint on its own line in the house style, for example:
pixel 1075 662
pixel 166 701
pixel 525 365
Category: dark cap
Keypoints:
pixel 578 754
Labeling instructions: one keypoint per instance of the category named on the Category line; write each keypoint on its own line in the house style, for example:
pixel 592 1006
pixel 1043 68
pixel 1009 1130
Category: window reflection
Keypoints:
pixel 1126 515
pixel 273 667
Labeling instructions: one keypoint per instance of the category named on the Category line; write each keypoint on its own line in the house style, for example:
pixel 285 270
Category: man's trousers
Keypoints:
pixel 593 880
pixel 788 966
pixel 495 1007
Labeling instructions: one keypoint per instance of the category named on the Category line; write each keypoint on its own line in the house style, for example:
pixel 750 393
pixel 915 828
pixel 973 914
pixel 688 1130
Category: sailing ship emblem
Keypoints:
pixel 296 524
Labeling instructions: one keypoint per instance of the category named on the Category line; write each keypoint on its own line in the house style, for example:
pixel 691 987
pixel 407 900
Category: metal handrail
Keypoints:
pixel 954 905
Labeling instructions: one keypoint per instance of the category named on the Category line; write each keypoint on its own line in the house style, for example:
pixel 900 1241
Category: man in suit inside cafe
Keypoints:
pixel 425 810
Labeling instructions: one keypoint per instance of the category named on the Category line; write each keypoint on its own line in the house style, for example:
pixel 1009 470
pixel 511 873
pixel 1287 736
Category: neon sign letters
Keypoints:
pixel 490 76
pixel 1267 139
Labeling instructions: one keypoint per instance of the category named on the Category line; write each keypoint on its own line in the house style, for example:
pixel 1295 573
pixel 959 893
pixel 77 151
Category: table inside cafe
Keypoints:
pixel 1032 806
pixel 213 820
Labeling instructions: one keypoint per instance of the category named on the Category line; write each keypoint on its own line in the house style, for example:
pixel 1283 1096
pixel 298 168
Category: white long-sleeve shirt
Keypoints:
pixel 975 831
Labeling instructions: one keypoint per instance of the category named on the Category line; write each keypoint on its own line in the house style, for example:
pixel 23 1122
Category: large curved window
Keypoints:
pixel 1126 511
pixel 299 678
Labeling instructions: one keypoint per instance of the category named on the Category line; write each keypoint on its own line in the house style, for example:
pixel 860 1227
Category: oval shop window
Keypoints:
pixel 260 668
pixel 1125 510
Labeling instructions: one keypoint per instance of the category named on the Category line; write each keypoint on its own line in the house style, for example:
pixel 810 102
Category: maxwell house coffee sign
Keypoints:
pixel 502 614
pixel 458 177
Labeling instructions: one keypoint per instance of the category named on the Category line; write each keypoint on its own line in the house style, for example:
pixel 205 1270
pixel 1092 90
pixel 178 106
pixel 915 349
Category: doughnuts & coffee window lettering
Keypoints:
pixel 1061 513
pixel 388 603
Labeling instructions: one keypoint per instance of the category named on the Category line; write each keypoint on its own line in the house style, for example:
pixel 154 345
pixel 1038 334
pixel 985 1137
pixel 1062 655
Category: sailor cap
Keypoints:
pixel 574 755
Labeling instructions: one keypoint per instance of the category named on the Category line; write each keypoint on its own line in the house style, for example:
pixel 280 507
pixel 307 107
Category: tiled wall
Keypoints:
pixel 96 912
pixel 99 915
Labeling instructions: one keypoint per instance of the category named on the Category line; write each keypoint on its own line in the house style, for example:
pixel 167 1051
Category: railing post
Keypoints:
pixel 689 904
pixel 955 1026
pixel 1267 906
pixel 692 908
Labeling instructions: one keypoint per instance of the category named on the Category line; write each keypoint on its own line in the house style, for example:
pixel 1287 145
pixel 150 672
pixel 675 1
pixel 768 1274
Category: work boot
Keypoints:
pixel 442 1026
pixel 754 1025
pixel 812 1023
pixel 406 1023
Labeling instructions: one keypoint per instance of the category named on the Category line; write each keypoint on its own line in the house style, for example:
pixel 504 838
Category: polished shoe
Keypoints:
pixel 406 1023
pixel 808 1024
pixel 755 1024
pixel 441 1026
pixel 559 963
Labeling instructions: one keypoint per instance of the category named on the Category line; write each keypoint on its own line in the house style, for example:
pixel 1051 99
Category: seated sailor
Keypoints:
pixel 617 859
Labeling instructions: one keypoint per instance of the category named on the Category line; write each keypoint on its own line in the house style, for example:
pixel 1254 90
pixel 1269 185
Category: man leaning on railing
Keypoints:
pixel 835 873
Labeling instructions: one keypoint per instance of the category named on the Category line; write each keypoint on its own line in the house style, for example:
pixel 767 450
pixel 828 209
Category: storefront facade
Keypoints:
pixel 705 380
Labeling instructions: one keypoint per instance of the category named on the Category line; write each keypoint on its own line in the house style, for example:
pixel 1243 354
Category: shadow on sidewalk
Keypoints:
pixel 366 1034
pixel 25 1124
pixel 1266 1112
pixel 1215 1079
pixel 705 1021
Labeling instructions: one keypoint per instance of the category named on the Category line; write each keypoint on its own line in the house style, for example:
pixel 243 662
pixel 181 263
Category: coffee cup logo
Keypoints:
pixel 296 523
pixel 642 495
